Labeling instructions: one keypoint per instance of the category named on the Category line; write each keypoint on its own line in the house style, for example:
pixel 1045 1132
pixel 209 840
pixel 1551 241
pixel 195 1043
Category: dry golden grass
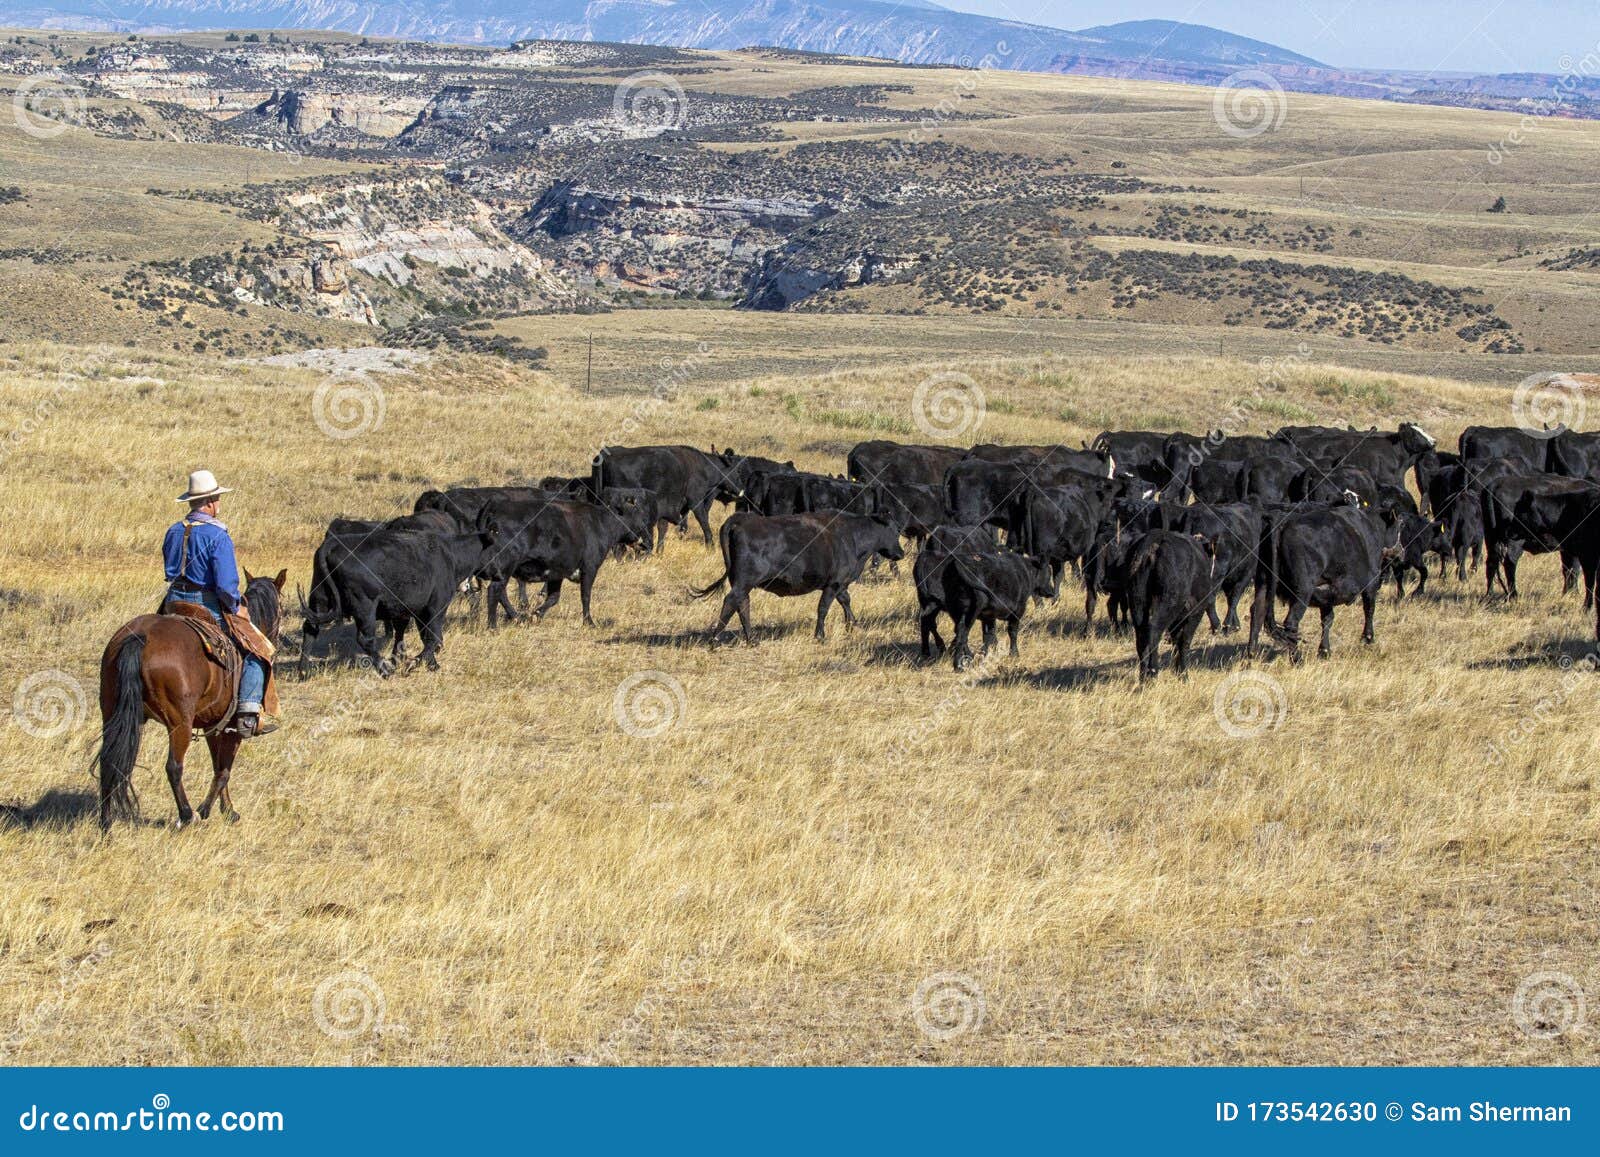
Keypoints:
pixel 525 882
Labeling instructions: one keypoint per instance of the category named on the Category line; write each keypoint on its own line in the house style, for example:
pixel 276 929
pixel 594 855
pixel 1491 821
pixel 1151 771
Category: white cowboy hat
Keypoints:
pixel 203 484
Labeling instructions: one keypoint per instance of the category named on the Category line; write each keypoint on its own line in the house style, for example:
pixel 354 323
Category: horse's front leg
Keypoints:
pixel 223 748
pixel 177 748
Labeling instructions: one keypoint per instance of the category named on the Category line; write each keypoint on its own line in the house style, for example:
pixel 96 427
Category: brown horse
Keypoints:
pixel 156 668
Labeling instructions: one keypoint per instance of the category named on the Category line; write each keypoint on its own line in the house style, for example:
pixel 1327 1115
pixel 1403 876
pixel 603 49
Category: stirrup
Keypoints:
pixel 248 726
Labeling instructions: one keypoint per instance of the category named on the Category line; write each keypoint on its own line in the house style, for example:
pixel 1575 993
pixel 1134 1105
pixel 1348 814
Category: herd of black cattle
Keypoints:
pixel 1160 524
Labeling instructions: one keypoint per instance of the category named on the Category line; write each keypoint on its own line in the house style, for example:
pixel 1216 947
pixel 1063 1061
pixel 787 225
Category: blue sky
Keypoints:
pixel 1452 35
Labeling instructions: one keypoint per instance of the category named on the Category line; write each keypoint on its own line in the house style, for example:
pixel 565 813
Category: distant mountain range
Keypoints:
pixel 915 33
pixel 910 32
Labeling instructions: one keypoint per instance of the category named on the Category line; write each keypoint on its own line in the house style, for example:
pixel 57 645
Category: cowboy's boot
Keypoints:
pixel 251 725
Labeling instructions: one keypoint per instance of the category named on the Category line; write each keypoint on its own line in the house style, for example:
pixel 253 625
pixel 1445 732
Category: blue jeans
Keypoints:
pixel 253 679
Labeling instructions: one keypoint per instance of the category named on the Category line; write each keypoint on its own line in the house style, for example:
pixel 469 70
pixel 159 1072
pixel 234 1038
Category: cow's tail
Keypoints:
pixel 706 592
pixel 1267 572
pixel 1028 527
pixel 973 579
pixel 119 738
pixel 597 471
pixel 324 607
pixel 727 567
pixel 1141 574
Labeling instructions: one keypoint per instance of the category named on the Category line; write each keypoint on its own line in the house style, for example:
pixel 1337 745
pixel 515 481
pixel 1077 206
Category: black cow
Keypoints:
pixel 795 554
pixel 1575 455
pixel 988 586
pixel 891 464
pixel 1218 480
pixel 917 507
pixel 342 536
pixel 1322 557
pixel 398 577
pixel 1137 452
pixel 1569 515
pixel 1419 537
pixel 1528 449
pixel 978 492
pixel 741 469
pixel 927 573
pixel 466 503
pixel 775 493
pixel 685 480
pixel 1233 532
pixel 1089 461
pixel 1169 589
pixel 1057 525
pixel 1105 570
pixel 1464 530
pixel 1183 453
pixel 1385 456
pixel 820 493
pixel 1429 469
pixel 1268 478
pixel 552 541
pixel 1331 485
pixel 636 507
pixel 801 492
pixel 1519 516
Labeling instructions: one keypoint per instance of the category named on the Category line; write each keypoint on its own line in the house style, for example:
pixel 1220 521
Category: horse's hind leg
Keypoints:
pixel 177 748
pixel 223 749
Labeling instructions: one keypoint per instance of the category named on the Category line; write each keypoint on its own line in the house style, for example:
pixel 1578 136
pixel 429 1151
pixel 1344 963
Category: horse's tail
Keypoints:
pixel 119 742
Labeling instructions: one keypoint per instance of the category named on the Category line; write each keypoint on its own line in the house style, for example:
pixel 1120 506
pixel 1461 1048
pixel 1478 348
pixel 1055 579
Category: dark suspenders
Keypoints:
pixel 181 580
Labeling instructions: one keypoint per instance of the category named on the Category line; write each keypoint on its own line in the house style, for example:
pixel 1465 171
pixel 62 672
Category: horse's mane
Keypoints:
pixel 261 596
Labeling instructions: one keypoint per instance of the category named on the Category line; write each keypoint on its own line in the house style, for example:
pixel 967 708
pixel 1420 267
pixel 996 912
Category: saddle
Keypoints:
pixel 219 648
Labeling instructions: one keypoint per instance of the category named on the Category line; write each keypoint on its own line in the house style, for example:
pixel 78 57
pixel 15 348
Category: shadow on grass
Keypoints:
pixel 54 809
pixel 701 636
pixel 1565 654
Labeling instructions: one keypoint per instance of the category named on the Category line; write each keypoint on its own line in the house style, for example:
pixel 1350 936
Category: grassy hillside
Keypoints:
pixel 499 863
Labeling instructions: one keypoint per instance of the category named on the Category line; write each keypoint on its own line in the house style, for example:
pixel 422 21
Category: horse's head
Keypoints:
pixel 264 597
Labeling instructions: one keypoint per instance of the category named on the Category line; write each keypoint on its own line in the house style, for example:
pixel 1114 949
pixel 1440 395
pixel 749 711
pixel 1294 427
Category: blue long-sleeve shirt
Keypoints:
pixel 211 563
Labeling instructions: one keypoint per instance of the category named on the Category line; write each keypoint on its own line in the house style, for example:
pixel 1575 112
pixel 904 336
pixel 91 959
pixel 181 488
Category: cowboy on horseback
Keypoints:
pixel 202 569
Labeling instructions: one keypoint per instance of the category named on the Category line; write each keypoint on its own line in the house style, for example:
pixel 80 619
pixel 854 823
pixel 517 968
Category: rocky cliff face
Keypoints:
pixel 304 113
pixel 386 251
